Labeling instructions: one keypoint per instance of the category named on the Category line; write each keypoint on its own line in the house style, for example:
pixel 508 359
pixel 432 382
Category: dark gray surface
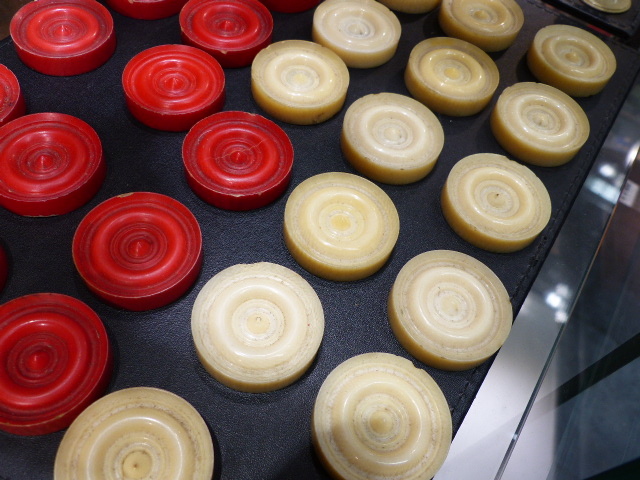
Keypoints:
pixel 267 436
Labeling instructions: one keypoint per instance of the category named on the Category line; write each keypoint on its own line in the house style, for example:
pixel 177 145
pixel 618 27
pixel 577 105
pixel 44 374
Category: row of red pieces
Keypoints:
pixel 53 163
pixel 71 37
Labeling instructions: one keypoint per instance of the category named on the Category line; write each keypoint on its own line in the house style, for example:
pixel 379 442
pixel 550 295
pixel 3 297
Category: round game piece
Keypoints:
pixel 495 203
pixel 492 25
pixel 449 310
pixel 539 124
pixel 237 160
pixel 610 6
pixel 451 76
pixel 233 31
pixel 391 138
pixel 63 37
pixel 299 82
pixel 147 9
pixel 12 103
pixel 257 327
pixel 289 6
pixel 55 359
pixel 340 226
pixel 364 33
pixel 571 59
pixel 137 433
pixel 378 416
pixel 171 87
pixel 138 251
pixel 50 164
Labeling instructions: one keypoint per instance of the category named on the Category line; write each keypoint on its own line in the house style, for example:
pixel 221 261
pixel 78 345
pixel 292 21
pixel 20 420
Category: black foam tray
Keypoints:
pixel 267 436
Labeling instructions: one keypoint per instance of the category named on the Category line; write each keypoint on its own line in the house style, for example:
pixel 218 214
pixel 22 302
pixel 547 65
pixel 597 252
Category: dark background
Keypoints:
pixel 267 436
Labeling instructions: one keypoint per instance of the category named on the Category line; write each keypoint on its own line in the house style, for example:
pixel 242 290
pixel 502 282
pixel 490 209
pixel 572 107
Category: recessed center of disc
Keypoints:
pixel 257 324
pixel 381 422
pixel 227 26
pixel 62 31
pixel 139 248
pixel 452 73
pixel 38 361
pixel 43 163
pixel 238 157
pixel 340 222
pixel 137 464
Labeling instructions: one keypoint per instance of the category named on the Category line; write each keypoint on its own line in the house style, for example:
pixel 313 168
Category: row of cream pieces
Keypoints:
pixel 375 413
pixel 338 226
pixel 536 123
pixel 255 328
pixel 365 34
pixel 302 82
pixel 258 327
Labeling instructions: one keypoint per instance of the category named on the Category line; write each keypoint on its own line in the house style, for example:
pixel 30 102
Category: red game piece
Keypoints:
pixel 50 164
pixel 55 360
pixel 63 37
pixel 237 160
pixel 12 104
pixel 171 87
pixel 138 251
pixel 233 31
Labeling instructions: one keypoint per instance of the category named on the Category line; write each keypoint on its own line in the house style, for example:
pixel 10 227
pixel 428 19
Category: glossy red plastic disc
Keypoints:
pixel 147 9
pixel 4 268
pixel 233 31
pixel 12 104
pixel 290 6
pixel 50 164
pixel 171 87
pixel 63 37
pixel 138 251
pixel 55 360
pixel 237 160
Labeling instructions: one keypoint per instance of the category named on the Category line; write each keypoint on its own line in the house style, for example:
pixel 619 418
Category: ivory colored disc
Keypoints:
pixel 411 6
pixel 257 327
pixel 364 33
pixel 539 124
pixel 610 6
pixel 449 310
pixel 495 203
pixel 377 416
pixel 451 76
pixel 571 59
pixel 340 226
pixel 299 82
pixel 492 25
pixel 136 433
pixel 391 138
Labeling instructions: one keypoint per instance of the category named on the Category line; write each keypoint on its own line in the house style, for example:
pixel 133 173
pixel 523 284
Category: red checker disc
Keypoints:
pixel 233 31
pixel 50 164
pixel 237 160
pixel 147 9
pixel 12 104
pixel 63 37
pixel 290 6
pixel 138 251
pixel 4 268
pixel 171 87
pixel 55 360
